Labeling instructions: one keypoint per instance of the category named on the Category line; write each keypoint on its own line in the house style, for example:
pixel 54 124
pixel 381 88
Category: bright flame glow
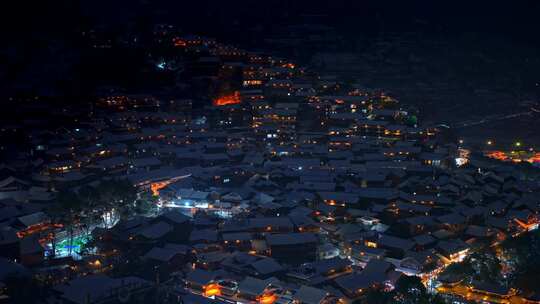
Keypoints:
pixel 233 98
pixel 267 299
pixel 211 290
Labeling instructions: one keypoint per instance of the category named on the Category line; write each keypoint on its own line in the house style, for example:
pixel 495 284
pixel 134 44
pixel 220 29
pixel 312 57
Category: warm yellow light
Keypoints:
pixel 267 299
pixel 96 263
pixel 212 290
pixel 371 244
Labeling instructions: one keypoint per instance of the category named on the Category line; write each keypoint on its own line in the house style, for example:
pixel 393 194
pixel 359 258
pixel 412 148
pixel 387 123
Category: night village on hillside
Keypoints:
pixel 278 152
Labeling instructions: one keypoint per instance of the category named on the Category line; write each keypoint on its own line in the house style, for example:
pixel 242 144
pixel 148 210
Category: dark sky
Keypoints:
pixel 43 37
pixel 515 17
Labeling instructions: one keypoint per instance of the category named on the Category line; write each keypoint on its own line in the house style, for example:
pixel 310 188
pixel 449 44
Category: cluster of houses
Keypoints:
pixel 298 189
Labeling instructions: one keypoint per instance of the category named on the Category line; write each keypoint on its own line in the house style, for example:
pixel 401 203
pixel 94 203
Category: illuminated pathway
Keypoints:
pixel 470 294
